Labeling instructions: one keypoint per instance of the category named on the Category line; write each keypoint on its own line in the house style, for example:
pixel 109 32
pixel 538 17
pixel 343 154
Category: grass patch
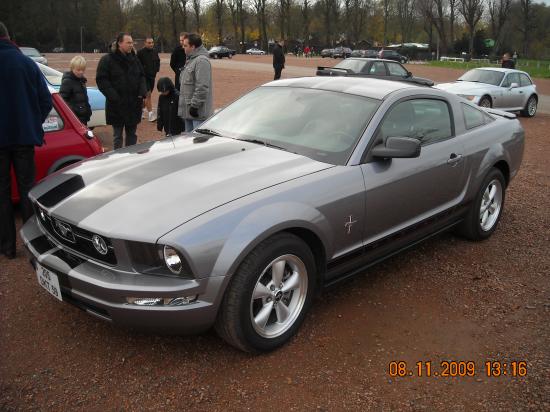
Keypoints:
pixel 535 68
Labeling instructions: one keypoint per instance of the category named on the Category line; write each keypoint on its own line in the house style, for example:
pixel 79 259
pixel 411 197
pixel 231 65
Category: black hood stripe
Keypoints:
pixel 101 193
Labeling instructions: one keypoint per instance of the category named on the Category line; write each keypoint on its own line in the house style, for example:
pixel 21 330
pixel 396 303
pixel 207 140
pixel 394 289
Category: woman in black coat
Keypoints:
pixel 73 89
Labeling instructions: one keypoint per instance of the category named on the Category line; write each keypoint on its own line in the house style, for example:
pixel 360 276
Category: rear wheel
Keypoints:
pixel 484 214
pixel 215 56
pixel 485 102
pixel 269 295
pixel 530 107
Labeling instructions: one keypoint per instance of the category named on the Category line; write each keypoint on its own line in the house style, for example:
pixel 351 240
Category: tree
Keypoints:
pixel 219 8
pixel 471 11
pixel 183 11
pixel 498 14
pixel 197 12
pixel 526 23
pixel 405 15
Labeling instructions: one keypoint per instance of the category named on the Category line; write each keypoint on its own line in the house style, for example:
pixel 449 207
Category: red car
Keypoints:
pixel 66 141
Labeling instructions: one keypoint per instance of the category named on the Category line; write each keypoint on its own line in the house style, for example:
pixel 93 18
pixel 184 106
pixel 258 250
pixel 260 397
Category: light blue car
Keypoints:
pixel 95 97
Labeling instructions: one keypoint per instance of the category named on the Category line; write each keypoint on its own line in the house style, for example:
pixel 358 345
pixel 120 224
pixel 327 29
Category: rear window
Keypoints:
pixel 524 80
pixel 473 117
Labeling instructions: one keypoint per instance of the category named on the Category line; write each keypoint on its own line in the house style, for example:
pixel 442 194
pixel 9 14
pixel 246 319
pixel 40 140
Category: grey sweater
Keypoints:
pixel 196 85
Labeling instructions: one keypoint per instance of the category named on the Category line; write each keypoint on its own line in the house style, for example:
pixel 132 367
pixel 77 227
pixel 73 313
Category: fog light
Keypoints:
pixel 172 260
pixel 177 301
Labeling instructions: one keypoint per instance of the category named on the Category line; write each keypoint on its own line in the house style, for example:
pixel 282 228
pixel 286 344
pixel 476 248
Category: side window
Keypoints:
pixel 378 68
pixel 53 122
pixel 524 80
pixel 424 119
pixel 510 78
pixel 472 116
pixel 396 69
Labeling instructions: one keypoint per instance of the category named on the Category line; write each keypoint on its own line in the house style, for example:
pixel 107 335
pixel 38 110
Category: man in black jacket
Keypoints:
pixel 278 59
pixel 150 61
pixel 178 58
pixel 121 79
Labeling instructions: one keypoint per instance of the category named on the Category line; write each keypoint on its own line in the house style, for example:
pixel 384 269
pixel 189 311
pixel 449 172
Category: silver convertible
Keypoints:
pixel 294 186
pixel 503 89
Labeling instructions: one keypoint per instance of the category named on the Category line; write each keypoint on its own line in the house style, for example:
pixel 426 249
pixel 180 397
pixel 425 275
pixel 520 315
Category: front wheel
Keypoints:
pixel 485 102
pixel 484 214
pixel 269 295
pixel 530 107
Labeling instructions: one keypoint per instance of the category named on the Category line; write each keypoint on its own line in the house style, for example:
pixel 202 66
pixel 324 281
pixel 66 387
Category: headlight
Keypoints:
pixel 467 96
pixel 173 260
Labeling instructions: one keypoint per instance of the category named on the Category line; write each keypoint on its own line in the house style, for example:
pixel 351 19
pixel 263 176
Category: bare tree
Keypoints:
pixel 240 12
pixel 173 6
pixel 453 4
pixel 471 11
pixel 306 18
pixel 197 13
pixel 232 4
pixel 387 9
pixel 434 12
pixel 405 15
pixel 527 23
pixel 498 14
pixel 330 11
pixel 183 11
pixel 219 8
pixel 259 8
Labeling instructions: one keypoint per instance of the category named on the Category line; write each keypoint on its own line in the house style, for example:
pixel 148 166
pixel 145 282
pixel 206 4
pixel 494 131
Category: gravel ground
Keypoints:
pixel 447 299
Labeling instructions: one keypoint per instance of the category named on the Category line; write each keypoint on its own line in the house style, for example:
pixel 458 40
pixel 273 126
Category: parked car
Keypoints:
pixel 327 53
pixel 364 53
pixel 239 224
pixel 341 52
pixel 255 51
pixel 504 89
pixel 34 55
pixel 66 141
pixel 380 68
pixel 95 97
pixel 58 50
pixel 218 52
pixel 392 55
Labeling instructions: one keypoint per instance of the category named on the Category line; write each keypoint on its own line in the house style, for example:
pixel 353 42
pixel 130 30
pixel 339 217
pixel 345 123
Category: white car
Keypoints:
pixel 255 51
pixel 95 97
pixel 34 54
pixel 504 89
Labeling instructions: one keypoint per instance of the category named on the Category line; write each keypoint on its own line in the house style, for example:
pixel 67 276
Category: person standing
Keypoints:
pixel 150 61
pixel 167 112
pixel 195 102
pixel 25 102
pixel 73 89
pixel 177 59
pixel 121 79
pixel 278 59
pixel 507 62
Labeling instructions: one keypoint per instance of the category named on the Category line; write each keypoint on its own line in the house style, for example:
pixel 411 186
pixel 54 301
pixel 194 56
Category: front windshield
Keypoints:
pixel 30 52
pixel 483 76
pixel 52 76
pixel 319 124
pixel 354 65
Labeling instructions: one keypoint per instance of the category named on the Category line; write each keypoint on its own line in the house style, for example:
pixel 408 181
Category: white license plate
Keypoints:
pixel 48 280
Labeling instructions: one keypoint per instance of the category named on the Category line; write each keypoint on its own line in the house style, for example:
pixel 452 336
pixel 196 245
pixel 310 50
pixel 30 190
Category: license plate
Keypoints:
pixel 48 280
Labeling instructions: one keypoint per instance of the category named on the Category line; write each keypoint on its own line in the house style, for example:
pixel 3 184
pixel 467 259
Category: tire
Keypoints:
pixel 484 214
pixel 215 56
pixel 403 61
pixel 253 324
pixel 530 107
pixel 485 102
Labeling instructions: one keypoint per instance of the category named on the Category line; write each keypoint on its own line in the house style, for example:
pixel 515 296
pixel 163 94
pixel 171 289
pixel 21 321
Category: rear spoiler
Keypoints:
pixel 330 71
pixel 500 113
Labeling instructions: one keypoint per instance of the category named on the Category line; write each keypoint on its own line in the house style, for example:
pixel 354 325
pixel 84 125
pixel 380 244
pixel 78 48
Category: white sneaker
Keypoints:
pixel 152 116
pixel 144 114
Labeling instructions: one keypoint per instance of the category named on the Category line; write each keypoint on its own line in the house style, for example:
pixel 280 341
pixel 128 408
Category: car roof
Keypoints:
pixel 361 86
pixel 371 59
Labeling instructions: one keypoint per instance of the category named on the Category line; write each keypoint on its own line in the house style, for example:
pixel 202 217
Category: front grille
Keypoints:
pixel 74 238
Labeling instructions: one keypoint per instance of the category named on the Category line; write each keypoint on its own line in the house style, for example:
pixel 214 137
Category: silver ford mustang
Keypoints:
pixel 503 89
pixel 296 185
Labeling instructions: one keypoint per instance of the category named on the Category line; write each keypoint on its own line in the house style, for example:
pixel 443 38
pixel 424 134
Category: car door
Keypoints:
pixel 402 193
pixel 511 97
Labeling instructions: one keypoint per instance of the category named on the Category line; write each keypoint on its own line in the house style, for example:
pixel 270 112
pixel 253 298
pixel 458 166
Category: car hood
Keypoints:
pixel 472 88
pixel 142 192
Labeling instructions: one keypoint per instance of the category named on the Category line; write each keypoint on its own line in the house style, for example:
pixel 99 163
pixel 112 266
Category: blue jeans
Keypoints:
pixel 192 124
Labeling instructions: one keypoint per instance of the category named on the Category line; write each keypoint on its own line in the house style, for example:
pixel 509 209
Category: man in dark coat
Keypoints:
pixel 507 62
pixel 178 58
pixel 121 79
pixel 150 61
pixel 25 102
pixel 278 59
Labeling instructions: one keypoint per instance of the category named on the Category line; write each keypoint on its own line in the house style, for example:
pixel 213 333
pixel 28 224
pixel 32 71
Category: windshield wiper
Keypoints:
pixel 210 132
pixel 264 143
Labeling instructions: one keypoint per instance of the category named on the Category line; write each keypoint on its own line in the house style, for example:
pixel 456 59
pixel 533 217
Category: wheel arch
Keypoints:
pixel 504 168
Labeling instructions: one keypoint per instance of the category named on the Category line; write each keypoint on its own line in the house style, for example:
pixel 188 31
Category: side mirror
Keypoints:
pixel 514 85
pixel 409 74
pixel 397 147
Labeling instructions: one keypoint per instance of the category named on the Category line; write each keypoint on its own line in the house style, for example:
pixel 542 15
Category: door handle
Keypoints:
pixel 454 159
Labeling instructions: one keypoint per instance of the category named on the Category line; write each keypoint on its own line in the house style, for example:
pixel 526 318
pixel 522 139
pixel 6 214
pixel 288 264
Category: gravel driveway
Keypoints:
pixel 446 300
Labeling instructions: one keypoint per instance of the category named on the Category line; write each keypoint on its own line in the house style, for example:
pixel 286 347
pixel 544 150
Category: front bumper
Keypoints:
pixel 102 290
